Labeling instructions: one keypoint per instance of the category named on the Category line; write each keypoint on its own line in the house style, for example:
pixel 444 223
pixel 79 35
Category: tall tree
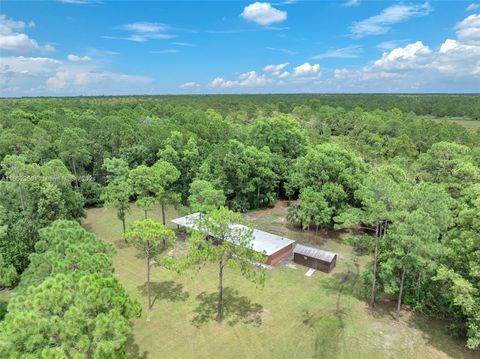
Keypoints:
pixel 73 149
pixel 117 195
pixel 233 247
pixel 204 197
pixel 151 238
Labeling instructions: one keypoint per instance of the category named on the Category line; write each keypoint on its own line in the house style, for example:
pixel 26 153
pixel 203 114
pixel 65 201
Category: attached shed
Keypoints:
pixel 274 247
pixel 314 258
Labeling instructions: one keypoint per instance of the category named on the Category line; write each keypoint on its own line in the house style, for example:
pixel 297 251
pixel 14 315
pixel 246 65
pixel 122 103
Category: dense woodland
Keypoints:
pixel 407 187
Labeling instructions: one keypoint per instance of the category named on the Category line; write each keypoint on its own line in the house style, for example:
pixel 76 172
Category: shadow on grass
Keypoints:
pixel 435 332
pixel 236 308
pixel 133 350
pixel 120 243
pixel 167 290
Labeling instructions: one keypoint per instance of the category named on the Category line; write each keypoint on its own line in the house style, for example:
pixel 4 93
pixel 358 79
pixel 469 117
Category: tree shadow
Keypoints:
pixel 236 308
pixel 167 290
pixel 133 350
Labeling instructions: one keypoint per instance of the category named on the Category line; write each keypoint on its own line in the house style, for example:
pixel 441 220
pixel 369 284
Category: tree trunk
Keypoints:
pixel 375 258
pixel 22 201
pixel 148 287
pixel 258 196
pixel 75 173
pixel 399 304
pixel 316 228
pixel 163 214
pixel 124 225
pixel 220 292
pixel 145 211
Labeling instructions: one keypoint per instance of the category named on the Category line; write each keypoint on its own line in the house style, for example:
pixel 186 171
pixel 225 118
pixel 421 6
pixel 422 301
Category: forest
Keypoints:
pixel 395 172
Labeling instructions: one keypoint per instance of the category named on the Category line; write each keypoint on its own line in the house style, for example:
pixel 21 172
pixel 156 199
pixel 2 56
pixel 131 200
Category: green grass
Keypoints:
pixel 472 125
pixel 293 316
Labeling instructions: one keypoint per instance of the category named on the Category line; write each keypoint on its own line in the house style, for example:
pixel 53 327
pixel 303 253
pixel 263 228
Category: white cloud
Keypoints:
pixel 351 3
pixel 76 2
pixel 468 30
pixel 306 70
pixel 143 31
pixel 246 79
pixel 21 75
pixel 381 23
pixel 190 85
pixel 145 27
pixel 14 41
pixel 412 55
pixel 473 7
pixel 390 44
pixel 178 43
pixel 275 69
pixel 27 65
pixel 76 58
pixel 342 53
pixel 263 13
pixel 285 51
pixel 167 51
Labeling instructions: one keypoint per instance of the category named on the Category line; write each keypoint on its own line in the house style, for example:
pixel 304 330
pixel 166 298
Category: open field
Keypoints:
pixel 472 125
pixel 293 316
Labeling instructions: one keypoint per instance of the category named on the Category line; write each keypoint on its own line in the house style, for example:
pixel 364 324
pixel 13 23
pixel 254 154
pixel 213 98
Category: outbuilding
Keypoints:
pixel 314 258
pixel 274 247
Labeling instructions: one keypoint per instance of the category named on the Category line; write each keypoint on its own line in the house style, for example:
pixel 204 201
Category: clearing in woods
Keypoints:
pixel 293 316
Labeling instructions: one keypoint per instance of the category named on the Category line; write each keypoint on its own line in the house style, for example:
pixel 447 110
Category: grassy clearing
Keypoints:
pixel 293 316
pixel 472 125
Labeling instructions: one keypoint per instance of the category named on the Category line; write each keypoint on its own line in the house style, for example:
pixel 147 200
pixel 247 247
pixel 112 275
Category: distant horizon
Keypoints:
pixel 255 94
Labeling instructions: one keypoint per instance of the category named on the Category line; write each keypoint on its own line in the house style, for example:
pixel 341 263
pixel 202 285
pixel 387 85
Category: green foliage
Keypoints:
pixel 233 245
pixel 244 173
pixel 8 274
pixel 65 247
pixel 332 171
pixel 66 316
pixel 204 197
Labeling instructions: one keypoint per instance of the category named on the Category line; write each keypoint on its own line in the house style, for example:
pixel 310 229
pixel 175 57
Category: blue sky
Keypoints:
pixel 101 47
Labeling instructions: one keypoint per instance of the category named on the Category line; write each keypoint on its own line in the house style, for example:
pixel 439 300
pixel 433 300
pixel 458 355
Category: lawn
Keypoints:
pixel 292 316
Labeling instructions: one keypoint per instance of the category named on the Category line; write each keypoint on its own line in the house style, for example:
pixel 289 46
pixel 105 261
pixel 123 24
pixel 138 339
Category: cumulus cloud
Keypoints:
pixel 246 79
pixel 274 75
pixel 263 13
pixel 20 75
pixel 468 30
pixel 381 23
pixel 306 70
pixel 76 58
pixel 13 40
pixel 275 69
pixel 21 65
pixel 417 66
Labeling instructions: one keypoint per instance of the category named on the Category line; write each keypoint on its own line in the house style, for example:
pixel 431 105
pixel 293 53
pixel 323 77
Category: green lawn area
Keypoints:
pixel 293 316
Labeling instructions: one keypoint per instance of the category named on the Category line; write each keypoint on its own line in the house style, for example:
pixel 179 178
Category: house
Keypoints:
pixel 274 247
pixel 314 258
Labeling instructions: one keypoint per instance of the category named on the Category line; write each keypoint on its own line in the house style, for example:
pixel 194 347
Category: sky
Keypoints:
pixel 106 47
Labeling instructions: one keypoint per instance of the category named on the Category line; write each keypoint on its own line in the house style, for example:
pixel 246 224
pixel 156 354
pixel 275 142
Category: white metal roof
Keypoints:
pixel 263 242
pixel 314 253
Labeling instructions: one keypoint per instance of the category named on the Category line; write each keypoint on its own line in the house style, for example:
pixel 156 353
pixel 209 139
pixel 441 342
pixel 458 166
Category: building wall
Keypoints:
pixel 278 256
pixel 314 263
